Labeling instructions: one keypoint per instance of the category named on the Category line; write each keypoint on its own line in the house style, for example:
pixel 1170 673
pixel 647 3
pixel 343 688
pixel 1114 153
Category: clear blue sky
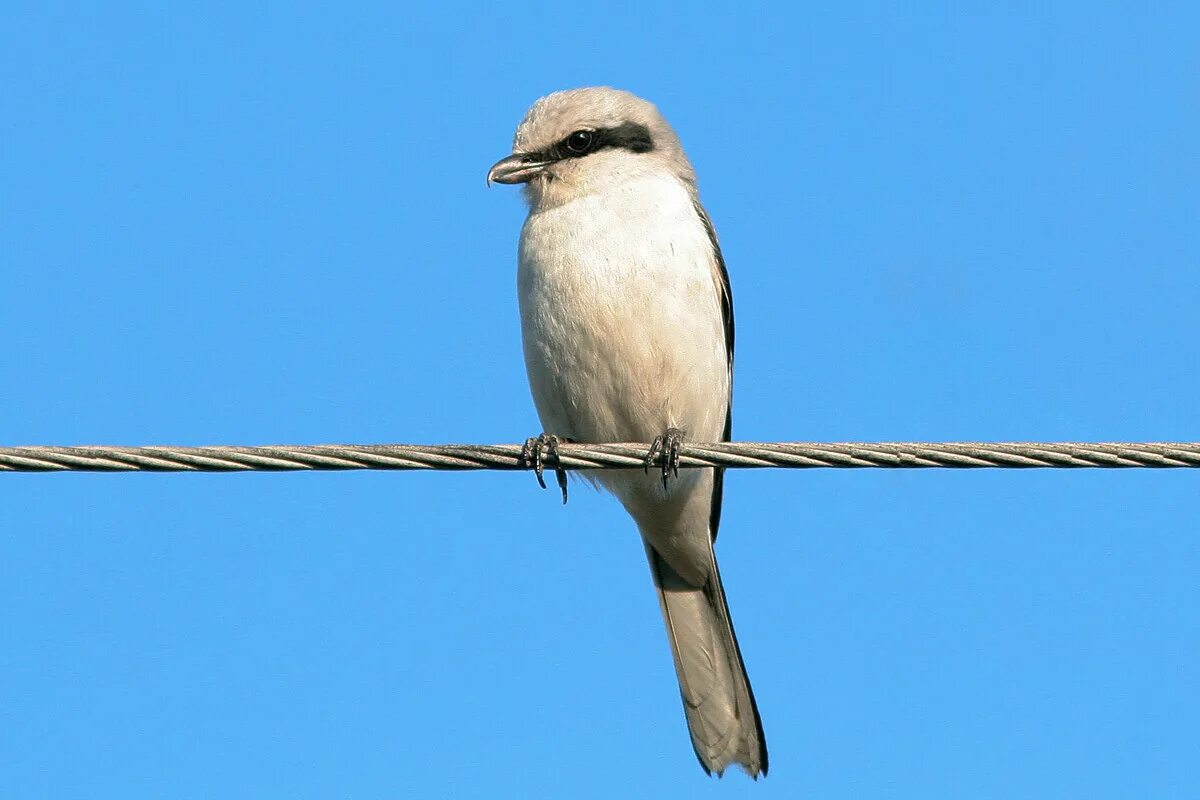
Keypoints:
pixel 228 224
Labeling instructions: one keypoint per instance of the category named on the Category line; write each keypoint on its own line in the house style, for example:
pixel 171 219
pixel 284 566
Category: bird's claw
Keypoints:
pixel 534 453
pixel 668 446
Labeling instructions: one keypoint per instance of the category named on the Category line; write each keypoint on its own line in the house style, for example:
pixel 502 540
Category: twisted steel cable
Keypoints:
pixel 733 455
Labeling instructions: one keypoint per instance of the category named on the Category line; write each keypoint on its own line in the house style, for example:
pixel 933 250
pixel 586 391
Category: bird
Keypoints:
pixel 627 328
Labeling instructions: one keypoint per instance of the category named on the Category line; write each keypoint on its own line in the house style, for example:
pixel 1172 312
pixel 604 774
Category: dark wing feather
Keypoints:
pixel 726 292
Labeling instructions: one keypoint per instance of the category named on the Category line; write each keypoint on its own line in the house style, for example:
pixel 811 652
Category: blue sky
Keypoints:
pixel 245 224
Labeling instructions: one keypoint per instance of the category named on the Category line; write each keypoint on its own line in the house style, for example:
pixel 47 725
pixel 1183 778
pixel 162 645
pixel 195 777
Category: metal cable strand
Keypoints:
pixel 734 455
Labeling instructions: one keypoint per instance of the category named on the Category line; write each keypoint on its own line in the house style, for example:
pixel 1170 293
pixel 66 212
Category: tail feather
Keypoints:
pixel 719 704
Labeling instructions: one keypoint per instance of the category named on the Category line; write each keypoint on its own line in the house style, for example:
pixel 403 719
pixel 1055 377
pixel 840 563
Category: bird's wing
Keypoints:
pixel 725 295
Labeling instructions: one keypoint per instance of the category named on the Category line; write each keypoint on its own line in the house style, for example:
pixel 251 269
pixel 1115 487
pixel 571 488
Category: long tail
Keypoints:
pixel 721 714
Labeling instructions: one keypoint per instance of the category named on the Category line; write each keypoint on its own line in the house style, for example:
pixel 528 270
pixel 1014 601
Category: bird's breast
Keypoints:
pixel 621 316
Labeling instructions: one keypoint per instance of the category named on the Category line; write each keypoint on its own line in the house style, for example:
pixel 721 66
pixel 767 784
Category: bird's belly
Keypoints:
pixel 622 323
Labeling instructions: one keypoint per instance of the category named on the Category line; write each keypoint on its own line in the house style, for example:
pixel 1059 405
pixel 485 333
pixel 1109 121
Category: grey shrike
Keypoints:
pixel 627 321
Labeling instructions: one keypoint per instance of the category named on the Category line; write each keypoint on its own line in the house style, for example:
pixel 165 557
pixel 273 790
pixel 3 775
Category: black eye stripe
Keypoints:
pixel 630 136
pixel 627 136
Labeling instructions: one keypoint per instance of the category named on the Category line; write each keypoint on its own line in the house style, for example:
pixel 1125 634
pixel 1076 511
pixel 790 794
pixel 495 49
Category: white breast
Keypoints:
pixel 621 316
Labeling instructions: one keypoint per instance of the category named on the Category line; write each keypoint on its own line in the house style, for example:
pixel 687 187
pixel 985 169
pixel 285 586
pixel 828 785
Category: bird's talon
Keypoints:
pixel 655 446
pixel 531 455
pixel 534 453
pixel 668 445
pixel 561 475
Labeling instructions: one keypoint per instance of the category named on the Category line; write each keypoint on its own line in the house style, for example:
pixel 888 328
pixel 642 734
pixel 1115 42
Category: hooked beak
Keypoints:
pixel 517 168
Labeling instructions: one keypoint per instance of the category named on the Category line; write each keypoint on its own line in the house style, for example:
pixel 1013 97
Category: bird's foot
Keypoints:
pixel 668 446
pixel 534 455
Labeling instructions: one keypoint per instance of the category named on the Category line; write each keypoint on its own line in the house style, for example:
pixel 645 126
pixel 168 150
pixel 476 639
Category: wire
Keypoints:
pixel 733 455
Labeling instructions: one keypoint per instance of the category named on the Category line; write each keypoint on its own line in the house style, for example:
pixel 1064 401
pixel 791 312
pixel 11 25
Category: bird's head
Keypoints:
pixel 582 141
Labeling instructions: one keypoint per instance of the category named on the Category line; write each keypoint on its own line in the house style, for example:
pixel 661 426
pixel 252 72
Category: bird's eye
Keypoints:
pixel 580 142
